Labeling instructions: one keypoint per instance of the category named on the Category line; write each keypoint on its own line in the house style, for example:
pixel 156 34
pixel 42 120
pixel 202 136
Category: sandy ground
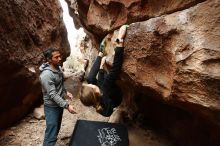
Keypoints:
pixel 30 131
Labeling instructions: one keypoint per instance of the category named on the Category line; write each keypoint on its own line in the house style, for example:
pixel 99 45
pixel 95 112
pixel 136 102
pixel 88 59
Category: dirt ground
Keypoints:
pixel 30 131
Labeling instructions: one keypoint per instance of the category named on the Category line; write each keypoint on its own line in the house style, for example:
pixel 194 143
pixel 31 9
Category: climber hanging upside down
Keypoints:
pixel 103 94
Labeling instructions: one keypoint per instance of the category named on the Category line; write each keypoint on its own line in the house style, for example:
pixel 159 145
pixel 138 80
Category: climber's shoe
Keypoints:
pixel 102 46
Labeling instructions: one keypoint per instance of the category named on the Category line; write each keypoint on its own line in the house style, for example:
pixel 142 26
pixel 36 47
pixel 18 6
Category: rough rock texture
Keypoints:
pixel 38 113
pixel 103 16
pixel 172 62
pixel 176 59
pixel 89 51
pixel 26 28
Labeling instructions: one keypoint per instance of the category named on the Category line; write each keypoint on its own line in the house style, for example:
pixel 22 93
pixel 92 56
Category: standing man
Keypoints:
pixel 52 82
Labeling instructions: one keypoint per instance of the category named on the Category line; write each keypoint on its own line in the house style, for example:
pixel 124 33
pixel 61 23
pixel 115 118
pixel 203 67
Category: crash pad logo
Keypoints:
pixel 108 136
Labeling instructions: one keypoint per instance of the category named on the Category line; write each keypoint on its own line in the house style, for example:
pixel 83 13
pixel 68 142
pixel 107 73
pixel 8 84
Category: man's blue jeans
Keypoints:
pixel 53 117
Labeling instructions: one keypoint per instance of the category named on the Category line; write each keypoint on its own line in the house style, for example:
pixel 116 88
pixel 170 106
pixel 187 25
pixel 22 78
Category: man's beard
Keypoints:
pixel 57 65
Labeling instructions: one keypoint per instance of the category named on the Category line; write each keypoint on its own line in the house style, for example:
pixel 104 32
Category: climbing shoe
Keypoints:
pixel 102 46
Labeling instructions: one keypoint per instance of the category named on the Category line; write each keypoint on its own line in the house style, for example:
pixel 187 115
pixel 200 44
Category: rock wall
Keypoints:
pixel 26 29
pixel 102 16
pixel 171 64
pixel 178 57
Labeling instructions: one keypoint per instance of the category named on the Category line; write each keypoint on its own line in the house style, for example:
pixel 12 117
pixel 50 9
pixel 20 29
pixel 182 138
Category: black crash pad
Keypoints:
pixel 94 133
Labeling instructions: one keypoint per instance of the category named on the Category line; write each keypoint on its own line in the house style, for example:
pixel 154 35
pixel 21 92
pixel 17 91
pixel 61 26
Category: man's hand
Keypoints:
pixel 69 95
pixel 71 109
